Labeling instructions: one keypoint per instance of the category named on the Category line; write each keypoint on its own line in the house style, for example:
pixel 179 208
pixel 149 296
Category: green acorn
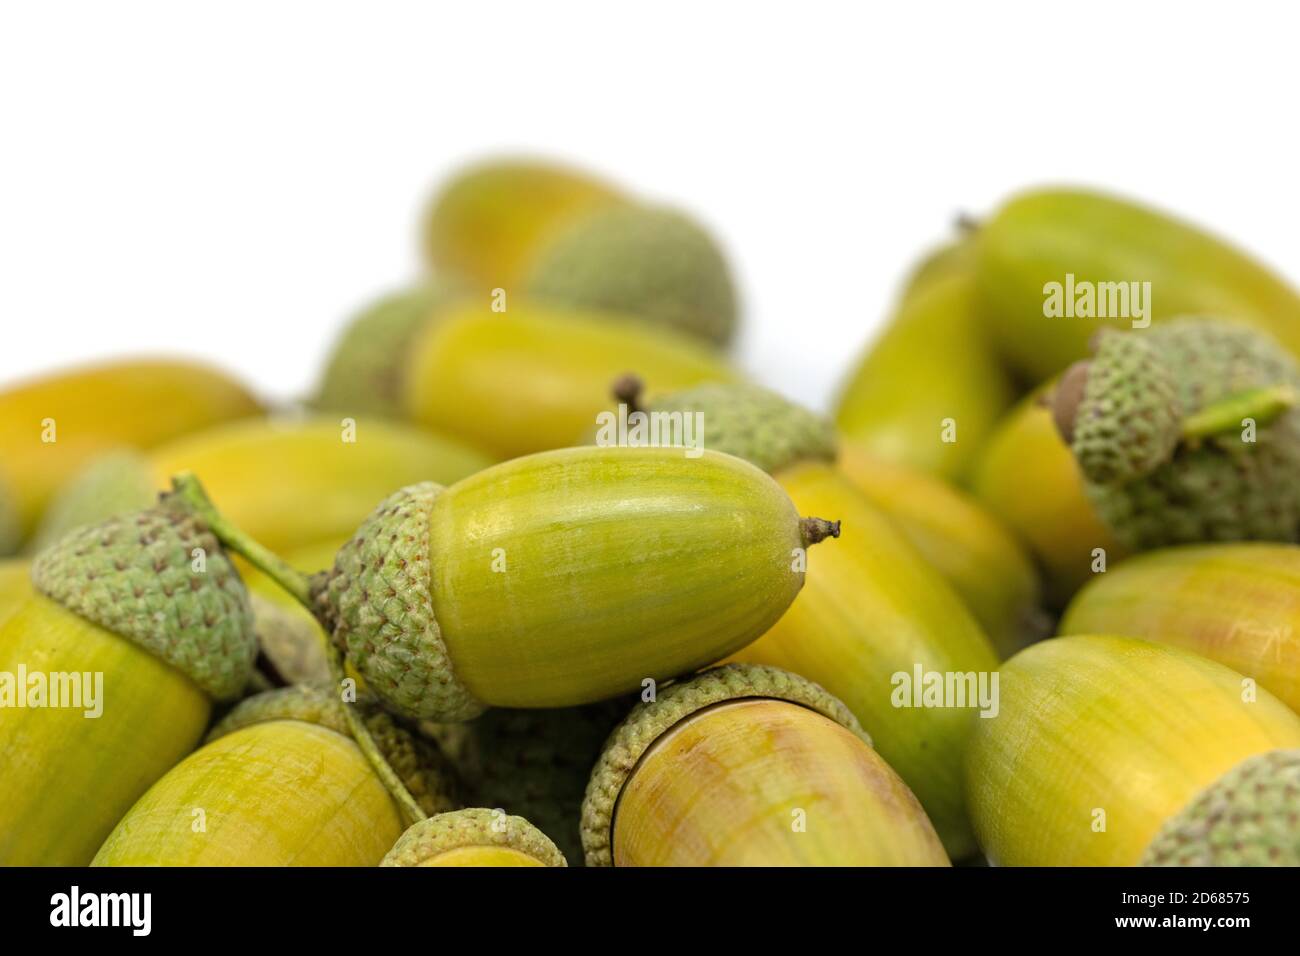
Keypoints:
pixel 655 264
pixel 534 763
pixel 1188 434
pixel 363 373
pixel 151 604
pixel 1245 818
pixel 474 837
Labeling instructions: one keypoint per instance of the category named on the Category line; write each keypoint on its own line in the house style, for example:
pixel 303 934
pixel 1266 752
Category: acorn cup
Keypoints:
pixel 289 483
pixel 1238 604
pixel 1187 432
pixel 931 389
pixel 112 654
pixel 52 427
pixel 1027 478
pixel 745 765
pixel 474 837
pixel 870 611
pixel 534 763
pixel 1104 248
pixel 1115 751
pixel 281 781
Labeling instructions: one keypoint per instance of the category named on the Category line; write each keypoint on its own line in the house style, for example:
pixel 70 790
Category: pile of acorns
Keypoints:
pixel 537 577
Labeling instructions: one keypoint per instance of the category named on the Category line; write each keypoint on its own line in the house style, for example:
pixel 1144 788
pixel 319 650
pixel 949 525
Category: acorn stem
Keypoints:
pixel 1261 404
pixel 814 530
pixel 187 489
pixel 627 389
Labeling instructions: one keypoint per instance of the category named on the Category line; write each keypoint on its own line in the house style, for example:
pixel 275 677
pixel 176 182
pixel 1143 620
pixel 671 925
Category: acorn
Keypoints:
pixel 1238 604
pixel 474 837
pixel 746 765
pixel 1187 432
pixel 553 580
pixel 930 389
pixel 534 763
pixel 145 614
pixel 52 427
pixel 651 263
pixel 362 375
pixel 1114 751
pixel 533 378
pixel 281 782
pixel 984 562
pixel 289 483
pixel 1027 478
pixel 489 220
pixel 1148 267
pixel 871 610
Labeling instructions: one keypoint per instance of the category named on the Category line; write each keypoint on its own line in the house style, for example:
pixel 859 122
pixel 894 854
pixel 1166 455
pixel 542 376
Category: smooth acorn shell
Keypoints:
pixel 1238 604
pixel 489 220
pixel 534 378
pixel 482 856
pixel 933 362
pixel 1028 478
pixel 985 564
pixel 768 783
pixel 288 484
pixel 1092 724
pixel 69 778
pixel 1041 236
pixel 872 607
pixel 281 793
pixel 621 564
pixel 97 409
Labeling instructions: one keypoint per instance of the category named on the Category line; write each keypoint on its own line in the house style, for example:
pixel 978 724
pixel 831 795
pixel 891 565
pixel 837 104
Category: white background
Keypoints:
pixel 233 179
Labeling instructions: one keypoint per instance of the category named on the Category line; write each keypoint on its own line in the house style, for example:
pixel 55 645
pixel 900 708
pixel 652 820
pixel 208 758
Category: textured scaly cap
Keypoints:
pixel 140 576
pixel 1248 817
pixel 1127 418
pixel 363 373
pixel 116 484
pixel 754 423
pixel 534 763
pixel 655 264
pixel 417 762
pixel 649 721
pixel 1211 487
pixel 377 604
pixel 475 827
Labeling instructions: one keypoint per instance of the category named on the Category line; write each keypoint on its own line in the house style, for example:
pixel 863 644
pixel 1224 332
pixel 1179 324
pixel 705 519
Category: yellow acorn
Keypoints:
pixel 749 766
pixel 1027 477
pixel 281 783
pixel 931 389
pixel 111 656
pixel 474 837
pixel 52 427
pixel 290 483
pixel 1238 604
pixel 1113 751
pixel 871 614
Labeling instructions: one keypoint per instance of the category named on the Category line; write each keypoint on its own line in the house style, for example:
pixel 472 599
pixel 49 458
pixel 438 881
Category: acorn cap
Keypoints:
pixel 115 484
pixel 1120 412
pixel 377 604
pixel 135 575
pixel 1216 485
pixel 653 263
pixel 363 372
pixel 1248 817
pixel 532 762
pixel 473 827
pixel 649 721
pixel 754 423
pixel 417 762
